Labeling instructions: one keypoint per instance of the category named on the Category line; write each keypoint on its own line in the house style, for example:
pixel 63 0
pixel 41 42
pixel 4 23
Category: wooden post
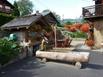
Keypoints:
pixel 55 35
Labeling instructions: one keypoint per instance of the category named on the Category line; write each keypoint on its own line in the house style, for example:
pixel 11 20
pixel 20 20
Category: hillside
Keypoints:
pixel 72 20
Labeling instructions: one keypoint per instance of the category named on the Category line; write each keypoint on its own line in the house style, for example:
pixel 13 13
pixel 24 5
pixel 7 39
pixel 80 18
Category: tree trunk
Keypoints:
pixel 68 57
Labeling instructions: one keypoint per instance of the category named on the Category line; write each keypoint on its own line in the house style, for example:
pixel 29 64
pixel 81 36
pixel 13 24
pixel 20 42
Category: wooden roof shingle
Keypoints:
pixel 26 21
pixel 22 21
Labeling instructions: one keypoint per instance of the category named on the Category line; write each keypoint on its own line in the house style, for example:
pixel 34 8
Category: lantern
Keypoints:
pixel 85 27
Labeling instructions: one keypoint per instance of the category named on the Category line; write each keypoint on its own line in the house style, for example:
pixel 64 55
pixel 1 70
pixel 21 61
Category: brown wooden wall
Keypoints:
pixel 3 9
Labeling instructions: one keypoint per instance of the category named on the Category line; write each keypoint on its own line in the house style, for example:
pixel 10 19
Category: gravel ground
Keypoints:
pixel 31 67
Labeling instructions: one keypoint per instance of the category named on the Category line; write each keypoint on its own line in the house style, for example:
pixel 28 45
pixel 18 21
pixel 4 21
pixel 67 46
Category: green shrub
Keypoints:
pixel 80 34
pixel 77 34
pixel 4 18
pixel 8 50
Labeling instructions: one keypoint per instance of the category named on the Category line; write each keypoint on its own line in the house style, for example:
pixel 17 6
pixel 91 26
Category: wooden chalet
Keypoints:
pixel 5 6
pixel 30 27
pixel 94 15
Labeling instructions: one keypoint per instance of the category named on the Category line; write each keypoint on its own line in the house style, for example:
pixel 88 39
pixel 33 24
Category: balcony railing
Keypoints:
pixel 93 11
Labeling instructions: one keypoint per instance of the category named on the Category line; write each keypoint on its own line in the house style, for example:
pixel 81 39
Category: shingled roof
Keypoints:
pixel 22 21
pixel 50 17
pixel 28 20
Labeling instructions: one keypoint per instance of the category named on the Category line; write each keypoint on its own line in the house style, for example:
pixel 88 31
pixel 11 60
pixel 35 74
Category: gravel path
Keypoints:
pixel 31 67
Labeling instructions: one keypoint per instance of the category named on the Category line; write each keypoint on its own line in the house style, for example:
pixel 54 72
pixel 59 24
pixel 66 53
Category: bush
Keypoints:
pixel 77 34
pixel 4 18
pixel 80 34
pixel 8 50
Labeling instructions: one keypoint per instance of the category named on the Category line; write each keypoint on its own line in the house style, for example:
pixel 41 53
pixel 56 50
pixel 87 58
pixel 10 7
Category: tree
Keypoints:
pixel 69 23
pixel 16 11
pixel 25 7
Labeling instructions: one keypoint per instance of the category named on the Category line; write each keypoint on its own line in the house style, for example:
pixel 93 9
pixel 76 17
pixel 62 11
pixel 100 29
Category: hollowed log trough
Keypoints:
pixel 75 57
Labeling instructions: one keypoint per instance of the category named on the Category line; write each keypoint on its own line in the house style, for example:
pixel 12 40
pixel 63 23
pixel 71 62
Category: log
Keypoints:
pixel 68 57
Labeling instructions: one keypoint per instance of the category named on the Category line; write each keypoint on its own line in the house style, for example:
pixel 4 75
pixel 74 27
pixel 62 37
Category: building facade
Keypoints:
pixel 94 14
pixel 5 7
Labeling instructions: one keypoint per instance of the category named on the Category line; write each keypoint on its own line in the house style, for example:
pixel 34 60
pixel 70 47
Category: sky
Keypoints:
pixel 64 8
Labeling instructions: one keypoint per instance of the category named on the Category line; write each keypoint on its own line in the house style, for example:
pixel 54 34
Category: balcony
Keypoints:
pixel 93 11
pixel 8 11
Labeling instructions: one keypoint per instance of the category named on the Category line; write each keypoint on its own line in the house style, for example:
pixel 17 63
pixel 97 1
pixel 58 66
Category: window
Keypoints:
pixel 1 6
pixel 7 7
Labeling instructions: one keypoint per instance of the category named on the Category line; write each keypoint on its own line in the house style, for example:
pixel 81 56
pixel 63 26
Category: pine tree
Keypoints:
pixel 16 11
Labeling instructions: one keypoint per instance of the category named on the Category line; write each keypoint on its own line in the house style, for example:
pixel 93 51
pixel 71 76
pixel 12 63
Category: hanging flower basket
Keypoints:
pixel 85 27
pixel 90 42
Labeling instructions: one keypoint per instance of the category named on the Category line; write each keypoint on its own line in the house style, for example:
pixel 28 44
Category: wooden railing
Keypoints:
pixel 93 11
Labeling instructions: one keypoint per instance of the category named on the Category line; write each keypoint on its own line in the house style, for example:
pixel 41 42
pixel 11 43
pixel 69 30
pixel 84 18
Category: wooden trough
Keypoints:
pixel 76 57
